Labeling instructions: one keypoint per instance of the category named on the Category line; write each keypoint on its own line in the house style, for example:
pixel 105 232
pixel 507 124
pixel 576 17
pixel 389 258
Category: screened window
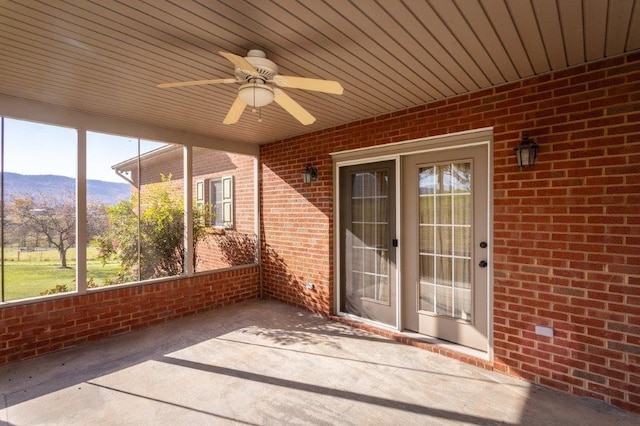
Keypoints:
pixel 137 233
pixel 38 209
pixel 117 214
pixel 224 220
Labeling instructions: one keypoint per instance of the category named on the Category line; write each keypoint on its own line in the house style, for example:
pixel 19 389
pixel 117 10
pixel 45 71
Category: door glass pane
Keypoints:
pixel 443 179
pixel 462 209
pixel 427 297
pixel 369 286
pixel 369 261
pixel 462 241
pixel 369 209
pixel 461 177
pixel 445 239
pixel 382 286
pixel 383 264
pixel 462 299
pixel 462 273
pixel 369 236
pixel 444 270
pixel 427 211
pixel 357 260
pixel 356 210
pixel 354 292
pixel 370 184
pixel 357 230
pixel 382 234
pixel 444 300
pixel 370 247
pixel 427 180
pixel 382 210
pixel 427 243
pixel 427 269
pixel 443 209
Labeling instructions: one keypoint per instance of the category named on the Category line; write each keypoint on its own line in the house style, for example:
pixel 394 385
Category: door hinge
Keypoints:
pixel 395 242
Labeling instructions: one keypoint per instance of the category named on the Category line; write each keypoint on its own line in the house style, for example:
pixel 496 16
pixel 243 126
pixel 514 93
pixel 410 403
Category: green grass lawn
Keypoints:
pixel 27 274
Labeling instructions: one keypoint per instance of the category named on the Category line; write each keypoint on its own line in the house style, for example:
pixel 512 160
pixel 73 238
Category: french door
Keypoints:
pixel 445 246
pixel 367 241
pixel 433 277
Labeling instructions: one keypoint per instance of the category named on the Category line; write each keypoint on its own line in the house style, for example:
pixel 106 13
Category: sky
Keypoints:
pixel 39 149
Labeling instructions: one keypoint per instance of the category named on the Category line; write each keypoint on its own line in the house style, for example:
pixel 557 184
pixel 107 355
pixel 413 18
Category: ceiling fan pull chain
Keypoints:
pixel 254 103
pixel 254 96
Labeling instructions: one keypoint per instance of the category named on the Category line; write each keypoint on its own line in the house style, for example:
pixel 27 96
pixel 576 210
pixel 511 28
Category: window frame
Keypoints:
pixel 83 123
pixel 226 212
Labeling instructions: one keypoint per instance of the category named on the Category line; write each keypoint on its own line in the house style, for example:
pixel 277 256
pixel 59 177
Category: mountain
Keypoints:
pixel 97 190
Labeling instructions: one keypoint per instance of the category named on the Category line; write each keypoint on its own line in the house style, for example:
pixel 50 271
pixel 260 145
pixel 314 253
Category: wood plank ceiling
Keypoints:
pixel 106 56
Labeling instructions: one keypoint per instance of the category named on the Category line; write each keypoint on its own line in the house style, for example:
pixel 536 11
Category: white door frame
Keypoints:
pixel 395 151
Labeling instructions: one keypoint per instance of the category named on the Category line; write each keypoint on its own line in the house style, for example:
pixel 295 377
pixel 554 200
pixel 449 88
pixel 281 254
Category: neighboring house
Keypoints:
pixel 222 181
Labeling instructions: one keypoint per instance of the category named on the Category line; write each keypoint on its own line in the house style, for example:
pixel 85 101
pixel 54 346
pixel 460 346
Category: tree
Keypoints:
pixel 52 217
pixel 38 215
pixel 149 243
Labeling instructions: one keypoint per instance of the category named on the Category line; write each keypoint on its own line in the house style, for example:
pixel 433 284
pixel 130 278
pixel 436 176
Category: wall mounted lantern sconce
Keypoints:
pixel 526 152
pixel 310 174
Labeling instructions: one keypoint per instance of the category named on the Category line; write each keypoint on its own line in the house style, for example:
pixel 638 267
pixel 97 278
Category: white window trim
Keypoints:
pixel 226 213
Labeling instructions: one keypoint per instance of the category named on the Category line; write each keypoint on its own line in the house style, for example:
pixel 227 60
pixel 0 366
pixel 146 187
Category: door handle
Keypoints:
pixel 483 264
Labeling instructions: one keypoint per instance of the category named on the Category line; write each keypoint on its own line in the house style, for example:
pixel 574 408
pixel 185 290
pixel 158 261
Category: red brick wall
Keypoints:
pixel 49 325
pixel 566 232
pixel 296 224
pixel 208 164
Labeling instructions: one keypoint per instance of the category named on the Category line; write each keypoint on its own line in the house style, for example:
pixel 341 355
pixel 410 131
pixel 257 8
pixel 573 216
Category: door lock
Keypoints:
pixel 483 244
pixel 483 264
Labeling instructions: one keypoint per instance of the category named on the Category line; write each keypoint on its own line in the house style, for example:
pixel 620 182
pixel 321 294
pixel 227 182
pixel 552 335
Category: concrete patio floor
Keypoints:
pixel 268 363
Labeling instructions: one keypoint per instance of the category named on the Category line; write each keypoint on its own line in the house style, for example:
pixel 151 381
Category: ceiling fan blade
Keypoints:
pixel 292 107
pixel 235 111
pixel 325 86
pixel 196 83
pixel 240 63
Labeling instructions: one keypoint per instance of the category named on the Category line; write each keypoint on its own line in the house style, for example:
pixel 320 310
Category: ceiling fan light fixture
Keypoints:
pixel 256 95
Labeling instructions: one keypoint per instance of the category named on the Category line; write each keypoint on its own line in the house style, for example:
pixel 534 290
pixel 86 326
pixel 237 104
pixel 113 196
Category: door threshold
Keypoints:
pixel 433 344
pixel 476 353
pixel 366 321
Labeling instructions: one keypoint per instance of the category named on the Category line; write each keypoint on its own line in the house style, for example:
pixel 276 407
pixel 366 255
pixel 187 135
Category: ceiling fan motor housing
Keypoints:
pixel 266 69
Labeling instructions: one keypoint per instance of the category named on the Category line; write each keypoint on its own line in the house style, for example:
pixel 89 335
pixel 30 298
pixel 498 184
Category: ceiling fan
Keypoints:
pixel 256 74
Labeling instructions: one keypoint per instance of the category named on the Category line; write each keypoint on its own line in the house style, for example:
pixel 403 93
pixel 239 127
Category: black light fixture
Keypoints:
pixel 526 152
pixel 310 174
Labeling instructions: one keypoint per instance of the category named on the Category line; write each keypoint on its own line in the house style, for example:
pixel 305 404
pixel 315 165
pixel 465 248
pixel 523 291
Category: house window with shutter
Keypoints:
pixel 221 199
